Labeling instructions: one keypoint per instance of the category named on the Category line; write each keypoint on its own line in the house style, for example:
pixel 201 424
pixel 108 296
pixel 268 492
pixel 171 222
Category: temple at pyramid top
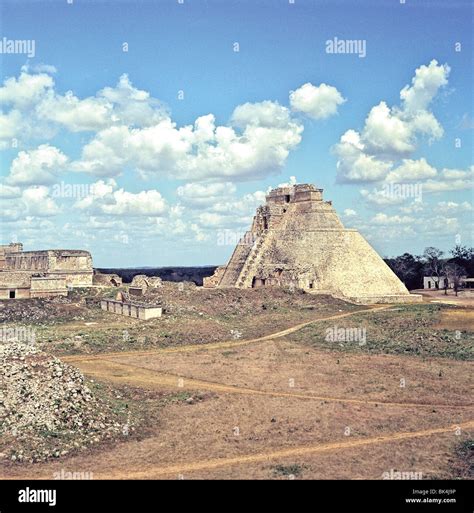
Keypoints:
pixel 292 193
pixel 297 240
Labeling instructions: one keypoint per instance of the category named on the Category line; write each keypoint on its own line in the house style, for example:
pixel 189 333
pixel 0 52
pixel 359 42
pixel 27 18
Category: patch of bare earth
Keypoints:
pixel 234 434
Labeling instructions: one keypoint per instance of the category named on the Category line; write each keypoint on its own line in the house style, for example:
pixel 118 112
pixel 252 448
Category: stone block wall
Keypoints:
pixel 16 284
pixel 20 292
pixel 213 281
pixel 35 261
pixel 73 265
pixel 48 286
pixel 128 309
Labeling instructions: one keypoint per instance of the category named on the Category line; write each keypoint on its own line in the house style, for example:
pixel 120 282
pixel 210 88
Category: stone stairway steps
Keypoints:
pixel 238 259
pixel 252 260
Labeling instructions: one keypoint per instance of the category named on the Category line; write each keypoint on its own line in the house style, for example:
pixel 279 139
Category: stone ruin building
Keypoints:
pixel 297 240
pixel 32 274
pixel 106 280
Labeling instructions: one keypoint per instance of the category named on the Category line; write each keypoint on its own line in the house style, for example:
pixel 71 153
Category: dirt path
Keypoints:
pixel 297 451
pixel 157 471
pixel 143 457
pixel 464 299
pixel 135 375
pixel 102 367
pixel 217 345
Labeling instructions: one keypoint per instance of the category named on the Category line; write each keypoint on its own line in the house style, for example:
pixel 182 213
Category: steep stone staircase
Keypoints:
pixel 256 253
pixel 238 259
pixel 253 259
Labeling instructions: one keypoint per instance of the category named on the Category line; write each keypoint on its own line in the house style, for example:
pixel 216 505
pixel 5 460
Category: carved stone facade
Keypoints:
pixel 297 240
pixel 42 273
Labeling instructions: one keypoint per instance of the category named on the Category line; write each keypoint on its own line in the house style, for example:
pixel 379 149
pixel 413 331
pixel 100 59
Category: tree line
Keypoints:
pixel 411 269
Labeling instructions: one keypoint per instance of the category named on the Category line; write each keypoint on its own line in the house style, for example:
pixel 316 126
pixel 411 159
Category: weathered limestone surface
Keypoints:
pixel 44 273
pixel 13 247
pixel 214 280
pixel 146 282
pixel 48 286
pixel 19 283
pixel 74 265
pixel 130 309
pixel 106 280
pixel 297 239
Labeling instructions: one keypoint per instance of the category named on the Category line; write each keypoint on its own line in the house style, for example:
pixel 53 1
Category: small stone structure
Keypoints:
pixel 146 282
pixel 106 280
pixel 15 285
pixel 131 309
pixel 297 240
pixel 29 274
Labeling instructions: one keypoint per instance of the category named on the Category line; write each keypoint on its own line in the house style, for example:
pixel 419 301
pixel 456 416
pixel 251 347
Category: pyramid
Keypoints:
pixel 297 240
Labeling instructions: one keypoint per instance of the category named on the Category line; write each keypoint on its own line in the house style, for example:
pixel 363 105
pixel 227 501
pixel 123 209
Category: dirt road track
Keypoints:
pixel 184 468
pixel 130 374
pixel 297 451
pixel 101 366
pixel 105 366
pixel 218 345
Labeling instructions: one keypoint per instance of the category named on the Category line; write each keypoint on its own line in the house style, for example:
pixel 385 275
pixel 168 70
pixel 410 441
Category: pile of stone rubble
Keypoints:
pixel 46 409
pixel 36 310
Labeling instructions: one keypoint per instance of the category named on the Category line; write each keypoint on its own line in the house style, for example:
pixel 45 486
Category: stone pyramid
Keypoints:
pixel 298 240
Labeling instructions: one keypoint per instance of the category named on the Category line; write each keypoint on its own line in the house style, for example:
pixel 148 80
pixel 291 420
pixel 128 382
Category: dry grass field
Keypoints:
pixel 246 385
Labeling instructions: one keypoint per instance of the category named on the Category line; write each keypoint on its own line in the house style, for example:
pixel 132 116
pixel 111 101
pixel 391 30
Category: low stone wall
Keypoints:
pixel 143 312
pixel 14 285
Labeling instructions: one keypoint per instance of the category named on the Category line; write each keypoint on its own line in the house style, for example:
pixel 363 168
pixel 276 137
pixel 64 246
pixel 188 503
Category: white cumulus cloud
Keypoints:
pixel 317 102
pixel 411 170
pixel 253 149
pixel 107 199
pixel 393 133
pixel 40 166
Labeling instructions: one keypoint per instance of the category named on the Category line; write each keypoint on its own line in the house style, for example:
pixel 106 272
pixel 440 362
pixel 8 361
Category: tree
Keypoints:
pixel 463 256
pixel 407 268
pixel 455 273
pixel 462 252
pixel 433 263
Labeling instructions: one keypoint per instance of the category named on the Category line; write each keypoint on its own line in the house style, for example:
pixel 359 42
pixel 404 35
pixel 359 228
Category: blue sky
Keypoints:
pixel 165 194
